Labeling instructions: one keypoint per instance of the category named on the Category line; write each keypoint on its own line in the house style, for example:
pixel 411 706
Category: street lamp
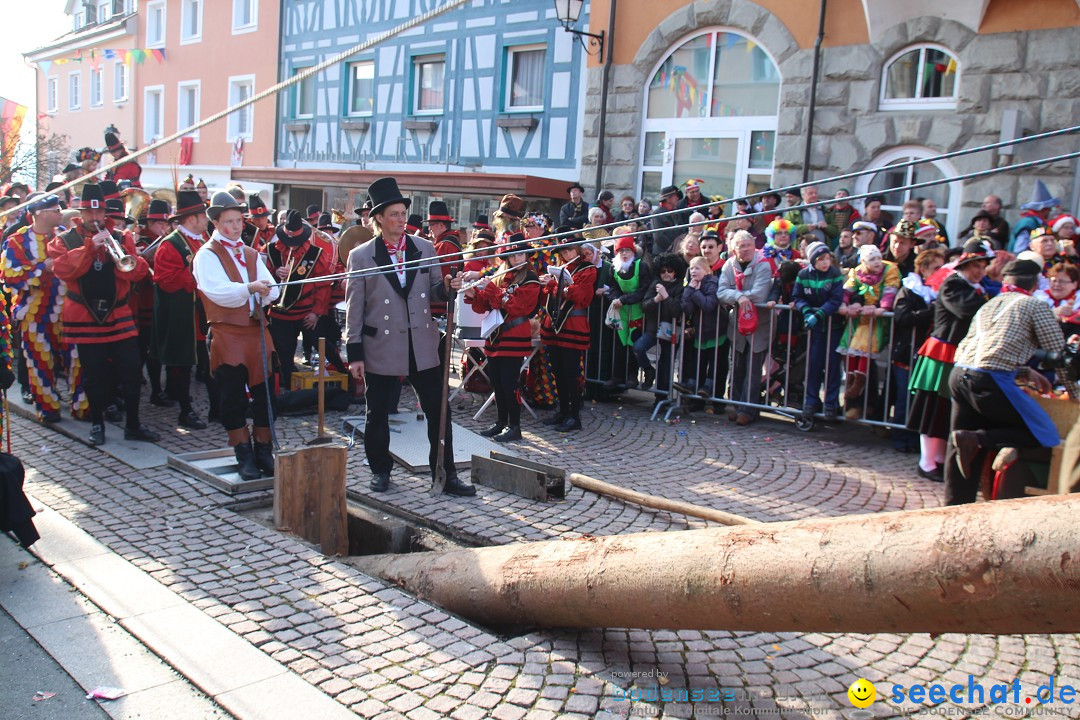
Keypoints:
pixel 568 12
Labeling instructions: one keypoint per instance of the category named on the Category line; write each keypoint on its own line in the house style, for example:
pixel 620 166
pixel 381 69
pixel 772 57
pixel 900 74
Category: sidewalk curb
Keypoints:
pixel 242 679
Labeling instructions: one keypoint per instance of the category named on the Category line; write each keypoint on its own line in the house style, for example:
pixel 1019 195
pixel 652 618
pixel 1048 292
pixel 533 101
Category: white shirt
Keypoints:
pixel 212 281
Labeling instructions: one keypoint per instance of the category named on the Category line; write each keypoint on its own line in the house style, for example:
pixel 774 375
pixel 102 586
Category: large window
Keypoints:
pixel 52 92
pixel 525 77
pixel 104 10
pixel 923 77
pixel 187 106
pixel 120 81
pixel 304 94
pixel 155 24
pixel 428 81
pixel 154 117
pixel 886 182
pixel 190 21
pixel 97 80
pixel 710 113
pixel 362 88
pixel 245 16
pixel 241 121
pixel 74 91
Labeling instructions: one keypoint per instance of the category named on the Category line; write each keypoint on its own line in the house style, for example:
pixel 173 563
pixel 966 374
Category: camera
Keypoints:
pixel 1067 360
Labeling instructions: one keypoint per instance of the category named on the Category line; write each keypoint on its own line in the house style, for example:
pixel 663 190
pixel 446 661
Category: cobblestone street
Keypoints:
pixel 384 654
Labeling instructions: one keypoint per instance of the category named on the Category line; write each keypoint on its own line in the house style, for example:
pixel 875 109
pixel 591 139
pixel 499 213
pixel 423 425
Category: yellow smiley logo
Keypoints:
pixel 861 693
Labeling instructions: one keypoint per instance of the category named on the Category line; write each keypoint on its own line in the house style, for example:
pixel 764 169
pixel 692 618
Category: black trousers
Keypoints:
pixel 380 389
pixel 566 367
pixel 284 333
pixel 979 405
pixel 328 328
pixel 232 388
pixel 505 374
pixel 105 365
pixel 151 363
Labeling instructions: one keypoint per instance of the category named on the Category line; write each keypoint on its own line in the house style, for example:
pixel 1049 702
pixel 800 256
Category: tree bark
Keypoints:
pixel 999 567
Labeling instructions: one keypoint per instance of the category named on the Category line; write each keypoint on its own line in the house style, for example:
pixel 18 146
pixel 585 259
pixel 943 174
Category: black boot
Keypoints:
pixel 141 433
pixel 650 377
pixel 512 432
pixel 160 399
pixel 555 419
pixel 264 458
pixel 493 430
pixel 245 459
pixel 97 434
pixel 569 425
pixel 454 486
pixel 188 419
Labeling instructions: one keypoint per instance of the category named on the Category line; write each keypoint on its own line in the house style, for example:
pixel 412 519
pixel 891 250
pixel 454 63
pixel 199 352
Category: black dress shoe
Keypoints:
pixel 97 434
pixel 569 425
pixel 245 460
pixel 968 452
pixel 141 433
pixel 264 458
pixel 160 399
pixel 380 482
pixel 650 377
pixel 27 397
pixel 113 414
pixel 50 417
pixel 454 486
pixel 492 431
pixel 937 474
pixel 191 421
pixel 512 432
pixel 555 419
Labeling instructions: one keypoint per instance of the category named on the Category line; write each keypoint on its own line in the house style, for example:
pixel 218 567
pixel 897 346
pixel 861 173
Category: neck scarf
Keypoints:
pixel 397 252
pixel 1010 288
pixel 915 284
pixel 235 247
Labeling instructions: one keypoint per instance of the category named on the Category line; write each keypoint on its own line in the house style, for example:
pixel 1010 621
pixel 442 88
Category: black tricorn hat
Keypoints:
pixel 188 202
pixel 383 193
pixel 295 231
pixel 438 212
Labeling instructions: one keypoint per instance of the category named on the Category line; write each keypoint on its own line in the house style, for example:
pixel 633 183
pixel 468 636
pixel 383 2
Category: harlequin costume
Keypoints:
pixel 39 299
pixel 97 317
pixel 516 295
pixel 294 248
pixel 7 377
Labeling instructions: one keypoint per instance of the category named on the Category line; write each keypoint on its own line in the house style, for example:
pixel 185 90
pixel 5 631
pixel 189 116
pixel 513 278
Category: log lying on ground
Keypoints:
pixel 656 502
pixel 1001 567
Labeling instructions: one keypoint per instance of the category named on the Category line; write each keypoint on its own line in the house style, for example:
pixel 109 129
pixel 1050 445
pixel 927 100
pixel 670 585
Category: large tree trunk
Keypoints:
pixel 999 567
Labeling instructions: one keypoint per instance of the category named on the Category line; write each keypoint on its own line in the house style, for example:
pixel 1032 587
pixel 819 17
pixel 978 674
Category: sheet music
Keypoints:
pixel 493 320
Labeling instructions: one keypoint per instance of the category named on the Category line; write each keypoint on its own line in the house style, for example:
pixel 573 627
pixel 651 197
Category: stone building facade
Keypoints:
pixel 991 57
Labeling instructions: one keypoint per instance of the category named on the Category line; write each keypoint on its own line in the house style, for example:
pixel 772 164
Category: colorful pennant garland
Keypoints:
pixel 94 57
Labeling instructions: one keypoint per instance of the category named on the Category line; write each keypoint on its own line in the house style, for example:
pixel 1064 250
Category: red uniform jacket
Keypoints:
pixel 130 171
pixel 172 274
pixel 309 260
pixel 447 244
pixel 518 302
pixel 572 309
pixel 96 309
pixel 142 294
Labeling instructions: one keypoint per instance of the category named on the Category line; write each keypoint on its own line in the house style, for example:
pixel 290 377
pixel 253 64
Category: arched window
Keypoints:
pixel 890 181
pixel 710 113
pixel 924 77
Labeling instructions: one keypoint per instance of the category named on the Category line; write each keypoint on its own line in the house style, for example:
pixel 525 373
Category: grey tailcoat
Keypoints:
pixel 380 315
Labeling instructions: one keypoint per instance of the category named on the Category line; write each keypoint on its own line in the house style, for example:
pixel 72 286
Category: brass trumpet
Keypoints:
pixel 125 262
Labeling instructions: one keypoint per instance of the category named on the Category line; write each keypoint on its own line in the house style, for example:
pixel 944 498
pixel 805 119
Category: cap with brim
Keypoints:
pixel 864 225
pixel 46 202
pixel 294 230
pixel 221 202
pixel 188 202
pixel 1022 268
pixel 975 250
pixel 669 191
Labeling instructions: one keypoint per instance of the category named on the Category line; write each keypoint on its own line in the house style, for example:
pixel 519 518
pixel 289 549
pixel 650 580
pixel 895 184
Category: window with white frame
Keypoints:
pixel 97 81
pixel 120 81
pixel 187 106
pixel 74 91
pixel 79 19
pixel 154 113
pixel 245 16
pixel 190 21
pixel 890 182
pixel 104 10
pixel 155 24
pixel 924 77
pixel 52 92
pixel 362 88
pixel 429 72
pixel 242 120
pixel 525 77
pixel 304 106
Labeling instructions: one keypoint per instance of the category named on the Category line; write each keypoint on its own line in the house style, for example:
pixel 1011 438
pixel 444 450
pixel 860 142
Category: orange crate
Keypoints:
pixel 306 380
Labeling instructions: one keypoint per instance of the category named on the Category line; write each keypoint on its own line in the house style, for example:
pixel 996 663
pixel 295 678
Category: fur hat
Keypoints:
pixel 513 206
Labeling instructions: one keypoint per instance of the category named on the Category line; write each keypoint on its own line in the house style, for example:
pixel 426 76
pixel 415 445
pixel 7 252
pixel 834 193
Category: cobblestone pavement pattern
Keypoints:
pixel 384 654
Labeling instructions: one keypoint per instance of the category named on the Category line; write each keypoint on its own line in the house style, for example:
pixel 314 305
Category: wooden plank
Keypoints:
pixel 555 482
pixel 309 496
pixel 334 521
pixel 512 478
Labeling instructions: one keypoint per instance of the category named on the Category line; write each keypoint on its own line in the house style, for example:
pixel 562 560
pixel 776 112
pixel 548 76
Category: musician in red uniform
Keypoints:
pixel 130 171
pixel 97 318
pixel 516 294
pixel 293 255
pixel 447 243
pixel 154 226
pixel 565 331
pixel 258 230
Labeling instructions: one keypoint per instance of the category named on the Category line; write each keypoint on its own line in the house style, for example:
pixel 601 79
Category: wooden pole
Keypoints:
pixel 1000 567
pixel 656 502
pixel 321 380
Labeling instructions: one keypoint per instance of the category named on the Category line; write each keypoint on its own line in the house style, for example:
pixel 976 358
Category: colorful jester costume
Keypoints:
pixel 39 297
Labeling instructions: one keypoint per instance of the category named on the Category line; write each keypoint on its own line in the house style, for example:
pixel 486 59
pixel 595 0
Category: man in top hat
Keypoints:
pixel 97 318
pixel 258 230
pixel 179 321
pixel 234 286
pixel 312 215
pixel 28 272
pixel 447 245
pixel 363 213
pixel 576 212
pixel 130 171
pixel 390 332
pixel 154 225
pixel 1033 215
pixel 665 232
pixel 294 255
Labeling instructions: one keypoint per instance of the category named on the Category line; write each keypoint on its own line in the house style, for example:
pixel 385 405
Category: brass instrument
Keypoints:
pixel 135 201
pixel 290 265
pixel 352 237
pixel 125 262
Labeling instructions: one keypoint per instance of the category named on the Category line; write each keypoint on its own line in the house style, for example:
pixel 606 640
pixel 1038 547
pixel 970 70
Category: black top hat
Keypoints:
pixel 364 207
pixel 114 208
pixel 256 207
pixel 669 191
pixel 188 202
pixel 158 210
pixel 110 189
pixel 295 231
pixel 575 185
pixel 326 223
pixel 92 198
pixel 438 212
pixel 414 223
pixel 112 143
pixel 221 202
pixel 481 223
pixel 383 193
pixel 312 211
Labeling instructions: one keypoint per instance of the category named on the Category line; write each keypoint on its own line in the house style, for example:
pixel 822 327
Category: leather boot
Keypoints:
pixel 245 460
pixel 264 451
pixel 454 486
pixel 856 384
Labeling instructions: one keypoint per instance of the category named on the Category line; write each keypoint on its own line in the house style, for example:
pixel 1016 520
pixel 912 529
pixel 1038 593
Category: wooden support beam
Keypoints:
pixel 309 496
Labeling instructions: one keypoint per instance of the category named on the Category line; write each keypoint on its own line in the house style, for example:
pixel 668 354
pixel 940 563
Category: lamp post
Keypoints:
pixel 568 12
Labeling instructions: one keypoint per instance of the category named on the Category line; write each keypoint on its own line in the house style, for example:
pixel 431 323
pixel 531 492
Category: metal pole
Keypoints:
pixel 609 43
pixel 813 94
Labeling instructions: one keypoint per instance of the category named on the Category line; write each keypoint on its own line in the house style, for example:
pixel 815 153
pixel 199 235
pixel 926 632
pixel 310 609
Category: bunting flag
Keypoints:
pixel 951 67
pixel 11 120
pixel 95 56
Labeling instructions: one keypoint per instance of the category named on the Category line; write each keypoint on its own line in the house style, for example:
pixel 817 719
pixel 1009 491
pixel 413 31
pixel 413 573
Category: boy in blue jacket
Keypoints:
pixel 819 291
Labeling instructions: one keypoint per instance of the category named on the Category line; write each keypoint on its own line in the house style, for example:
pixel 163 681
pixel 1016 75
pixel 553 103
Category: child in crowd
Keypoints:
pixel 818 295
pixel 663 311
pixel 700 304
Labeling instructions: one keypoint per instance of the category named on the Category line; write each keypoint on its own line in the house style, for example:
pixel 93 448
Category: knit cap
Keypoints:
pixel 815 250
